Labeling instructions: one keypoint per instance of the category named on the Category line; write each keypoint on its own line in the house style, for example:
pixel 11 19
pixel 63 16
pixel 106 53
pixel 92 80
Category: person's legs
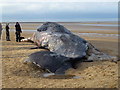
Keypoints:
pixel 16 37
pixel 8 37
pixel 19 37
pixel 0 34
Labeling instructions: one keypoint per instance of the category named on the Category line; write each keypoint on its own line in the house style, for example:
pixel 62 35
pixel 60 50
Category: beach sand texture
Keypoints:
pixel 99 74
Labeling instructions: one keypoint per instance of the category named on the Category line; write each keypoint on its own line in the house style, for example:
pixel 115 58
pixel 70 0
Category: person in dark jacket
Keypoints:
pixel 18 31
pixel 7 32
pixel 0 30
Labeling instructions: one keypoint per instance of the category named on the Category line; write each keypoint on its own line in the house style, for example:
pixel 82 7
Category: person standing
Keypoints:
pixel 7 32
pixel 0 30
pixel 18 31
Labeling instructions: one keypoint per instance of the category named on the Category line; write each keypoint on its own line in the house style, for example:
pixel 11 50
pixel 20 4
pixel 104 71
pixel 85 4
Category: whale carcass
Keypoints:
pixel 66 47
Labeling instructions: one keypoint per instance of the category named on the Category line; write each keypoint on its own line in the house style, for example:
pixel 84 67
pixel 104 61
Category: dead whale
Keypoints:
pixel 66 47
pixel 51 61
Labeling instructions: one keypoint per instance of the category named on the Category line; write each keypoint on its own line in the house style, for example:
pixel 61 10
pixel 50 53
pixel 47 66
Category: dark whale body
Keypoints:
pixel 51 61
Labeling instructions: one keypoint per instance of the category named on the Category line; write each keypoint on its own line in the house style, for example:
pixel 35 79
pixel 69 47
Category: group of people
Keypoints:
pixel 18 32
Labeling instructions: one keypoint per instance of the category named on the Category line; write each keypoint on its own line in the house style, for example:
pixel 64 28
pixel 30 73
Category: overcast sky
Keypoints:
pixel 59 10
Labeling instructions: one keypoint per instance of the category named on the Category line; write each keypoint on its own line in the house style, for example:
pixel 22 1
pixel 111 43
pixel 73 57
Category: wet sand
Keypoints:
pixel 100 74
pixel 92 27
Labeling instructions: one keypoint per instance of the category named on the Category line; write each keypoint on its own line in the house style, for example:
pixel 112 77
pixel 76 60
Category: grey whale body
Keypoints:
pixel 64 48
pixel 58 39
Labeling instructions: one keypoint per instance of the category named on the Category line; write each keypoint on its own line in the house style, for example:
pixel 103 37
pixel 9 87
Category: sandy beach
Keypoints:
pixel 99 74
